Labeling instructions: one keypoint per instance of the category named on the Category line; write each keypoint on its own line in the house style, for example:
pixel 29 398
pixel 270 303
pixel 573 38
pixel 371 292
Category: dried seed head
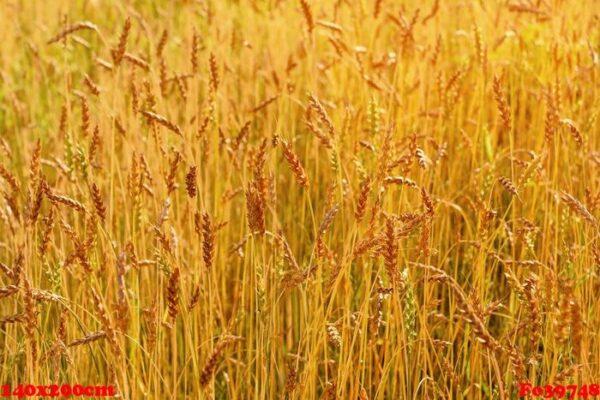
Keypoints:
pixel 551 120
pixel 154 117
pixel 190 182
pixel 150 316
pixel 173 294
pixel 7 291
pixel 98 202
pixel 162 43
pixel 422 158
pixel 508 185
pixel 194 52
pixel 295 165
pixel 195 298
pixel 255 207
pixel 208 240
pixel 575 132
pixel 211 363
pixel 213 72
pixel 93 88
pixel 363 196
pixel 316 105
pixel 502 104
pixel 170 178
pixel 83 25
pixel 306 11
pixel 9 178
pixel 291 381
pixel 400 180
pixel 90 338
pixel 333 335
pixel 579 208
pixel 119 52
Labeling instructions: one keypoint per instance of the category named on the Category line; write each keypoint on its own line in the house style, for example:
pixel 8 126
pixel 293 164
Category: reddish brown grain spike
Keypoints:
pixel 363 196
pixel 213 72
pixel 195 298
pixel 295 165
pixel 306 11
pixel 173 294
pixel 208 240
pixel 502 104
pixel 190 182
pixel 98 201
pixel 119 52
pixel 211 363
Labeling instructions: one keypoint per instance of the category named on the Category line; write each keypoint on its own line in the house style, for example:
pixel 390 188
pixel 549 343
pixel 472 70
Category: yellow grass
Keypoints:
pixel 300 199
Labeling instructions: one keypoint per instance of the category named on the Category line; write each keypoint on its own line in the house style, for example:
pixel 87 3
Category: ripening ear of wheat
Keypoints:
pixel 308 16
pixel 295 164
pixel 300 200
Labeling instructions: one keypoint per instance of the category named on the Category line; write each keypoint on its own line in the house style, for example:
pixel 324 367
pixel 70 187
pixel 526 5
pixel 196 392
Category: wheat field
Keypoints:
pixel 247 199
